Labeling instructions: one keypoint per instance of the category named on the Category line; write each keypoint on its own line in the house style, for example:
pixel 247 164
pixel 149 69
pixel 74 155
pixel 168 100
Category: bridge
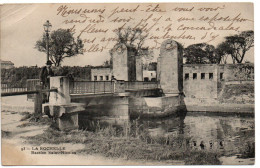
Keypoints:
pixel 123 98
pixel 88 88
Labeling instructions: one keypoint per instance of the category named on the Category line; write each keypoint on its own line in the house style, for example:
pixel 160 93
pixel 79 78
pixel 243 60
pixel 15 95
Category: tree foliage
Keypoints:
pixel 134 38
pixel 237 45
pixel 223 50
pixel 201 53
pixel 62 44
pixel 17 77
pixel 234 46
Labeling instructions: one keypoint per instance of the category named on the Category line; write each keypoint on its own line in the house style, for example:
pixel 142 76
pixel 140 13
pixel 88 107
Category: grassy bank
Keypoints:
pixel 237 94
pixel 134 142
pixel 134 145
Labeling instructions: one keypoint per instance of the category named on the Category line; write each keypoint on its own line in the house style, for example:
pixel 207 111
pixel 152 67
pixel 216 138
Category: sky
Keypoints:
pixel 22 26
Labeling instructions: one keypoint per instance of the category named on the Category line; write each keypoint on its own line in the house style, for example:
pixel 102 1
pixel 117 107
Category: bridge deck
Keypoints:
pixel 91 95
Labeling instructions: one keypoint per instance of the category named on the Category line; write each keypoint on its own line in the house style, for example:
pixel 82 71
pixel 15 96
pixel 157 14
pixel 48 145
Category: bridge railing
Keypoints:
pixel 6 88
pixel 31 85
pixel 92 87
pixel 98 87
pixel 137 85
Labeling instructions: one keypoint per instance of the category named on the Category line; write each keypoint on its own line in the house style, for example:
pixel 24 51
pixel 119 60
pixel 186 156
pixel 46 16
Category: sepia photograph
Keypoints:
pixel 127 84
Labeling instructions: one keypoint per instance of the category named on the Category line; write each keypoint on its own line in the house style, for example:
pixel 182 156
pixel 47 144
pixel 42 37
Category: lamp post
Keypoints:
pixel 47 28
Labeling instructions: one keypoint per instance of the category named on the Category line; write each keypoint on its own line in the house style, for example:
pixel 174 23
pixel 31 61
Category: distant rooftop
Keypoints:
pixel 7 62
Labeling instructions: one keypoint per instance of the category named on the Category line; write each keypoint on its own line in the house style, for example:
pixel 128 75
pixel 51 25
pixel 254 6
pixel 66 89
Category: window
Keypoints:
pixel 146 79
pixel 210 75
pixel 186 77
pixel 194 75
pixel 202 76
pixel 153 79
pixel 221 75
pixel 95 78
pixel 151 74
pixel 107 77
pixel 101 78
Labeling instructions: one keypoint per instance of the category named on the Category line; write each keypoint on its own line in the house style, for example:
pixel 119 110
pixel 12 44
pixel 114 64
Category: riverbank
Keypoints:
pixel 223 108
pixel 8 104
pixel 108 145
pixel 24 134
pixel 103 147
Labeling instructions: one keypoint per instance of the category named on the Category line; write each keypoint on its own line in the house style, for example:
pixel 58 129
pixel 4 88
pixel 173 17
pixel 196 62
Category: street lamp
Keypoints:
pixel 47 28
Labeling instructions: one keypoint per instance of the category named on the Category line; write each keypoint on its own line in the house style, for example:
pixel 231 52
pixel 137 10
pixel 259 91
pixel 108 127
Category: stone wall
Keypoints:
pixel 200 80
pixel 208 82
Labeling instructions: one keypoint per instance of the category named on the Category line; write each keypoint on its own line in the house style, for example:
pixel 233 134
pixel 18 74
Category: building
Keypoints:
pixel 6 64
pixel 101 74
pixel 149 75
pixel 200 81
pixel 205 81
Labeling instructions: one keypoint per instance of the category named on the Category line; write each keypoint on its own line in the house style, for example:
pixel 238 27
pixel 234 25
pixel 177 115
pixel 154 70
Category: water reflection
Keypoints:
pixel 224 134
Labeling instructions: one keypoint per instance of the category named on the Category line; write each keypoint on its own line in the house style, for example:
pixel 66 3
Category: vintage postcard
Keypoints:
pixel 127 84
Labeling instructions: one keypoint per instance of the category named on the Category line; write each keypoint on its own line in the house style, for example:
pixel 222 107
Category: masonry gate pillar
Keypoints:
pixel 170 68
pixel 120 62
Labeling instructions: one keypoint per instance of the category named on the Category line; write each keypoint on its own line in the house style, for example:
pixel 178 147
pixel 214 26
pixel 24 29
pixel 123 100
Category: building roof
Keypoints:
pixel 7 62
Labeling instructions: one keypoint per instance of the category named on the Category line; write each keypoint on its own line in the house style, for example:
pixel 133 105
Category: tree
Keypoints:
pixel 152 66
pixel 201 53
pixel 62 44
pixel 134 38
pixel 106 63
pixel 222 51
pixel 240 44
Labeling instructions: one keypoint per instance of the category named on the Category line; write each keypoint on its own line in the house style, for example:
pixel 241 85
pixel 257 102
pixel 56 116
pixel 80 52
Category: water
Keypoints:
pixel 227 135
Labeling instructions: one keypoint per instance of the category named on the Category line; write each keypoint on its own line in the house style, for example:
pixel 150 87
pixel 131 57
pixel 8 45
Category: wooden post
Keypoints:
pixel 38 100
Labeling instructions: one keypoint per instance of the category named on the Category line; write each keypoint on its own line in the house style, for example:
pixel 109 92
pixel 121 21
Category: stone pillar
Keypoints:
pixel 60 107
pixel 119 86
pixel 62 97
pixel 131 64
pixel 158 70
pixel 171 68
pixel 139 69
pixel 120 66
pixel 67 121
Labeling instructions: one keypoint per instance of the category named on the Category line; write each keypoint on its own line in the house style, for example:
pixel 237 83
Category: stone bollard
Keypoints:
pixel 62 97
pixel 60 107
